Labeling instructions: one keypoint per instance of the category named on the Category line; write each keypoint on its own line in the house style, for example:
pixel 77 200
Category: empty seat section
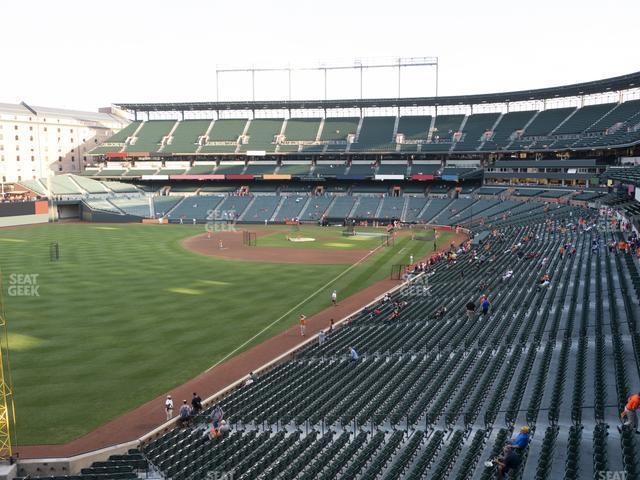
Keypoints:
pixel 261 209
pixel 376 134
pixel 316 208
pixel 200 207
pixel 149 137
pixel 392 169
pixel 620 114
pixel 338 129
pixel 91 186
pixel 120 187
pixel 414 206
pixel 445 127
pixel 122 135
pixel 477 125
pixel 228 168
pixel 224 135
pixel 295 169
pixel 415 128
pixel 323 169
pixel 262 133
pixel 341 207
pixel 364 170
pixel 290 208
pixel 186 135
pixel 197 169
pixel 391 208
pixel 258 169
pixel 138 207
pixel 547 120
pixel 425 168
pixel 162 205
pixel 506 127
pixel 233 206
pixel 301 129
pixel 366 208
pixel 584 118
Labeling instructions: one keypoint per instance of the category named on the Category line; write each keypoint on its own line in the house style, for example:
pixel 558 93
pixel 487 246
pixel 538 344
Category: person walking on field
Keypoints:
pixel 303 325
pixel 168 406
pixel 630 413
pixel 334 298
pixel 196 404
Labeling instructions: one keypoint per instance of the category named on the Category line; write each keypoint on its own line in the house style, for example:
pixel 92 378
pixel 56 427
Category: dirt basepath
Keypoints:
pixel 233 248
pixel 146 417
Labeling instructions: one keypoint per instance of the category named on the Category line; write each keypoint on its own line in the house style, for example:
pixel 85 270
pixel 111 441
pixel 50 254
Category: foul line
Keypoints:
pixel 294 308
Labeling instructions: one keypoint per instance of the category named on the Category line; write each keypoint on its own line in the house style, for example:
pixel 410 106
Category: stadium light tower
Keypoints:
pixel 7 410
pixel 359 65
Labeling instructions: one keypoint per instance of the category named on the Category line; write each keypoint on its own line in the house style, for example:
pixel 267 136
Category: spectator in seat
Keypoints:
pixel 216 416
pixel 471 310
pixel 224 429
pixel 629 415
pixel 353 354
pixel 508 461
pixel 521 441
pixel 485 304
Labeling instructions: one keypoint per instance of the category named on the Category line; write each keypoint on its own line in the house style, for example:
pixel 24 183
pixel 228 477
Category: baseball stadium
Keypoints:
pixel 393 287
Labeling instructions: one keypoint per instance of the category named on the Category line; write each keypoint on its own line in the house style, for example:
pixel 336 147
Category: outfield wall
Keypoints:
pixel 13 214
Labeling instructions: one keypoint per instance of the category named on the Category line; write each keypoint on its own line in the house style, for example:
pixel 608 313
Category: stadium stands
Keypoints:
pixel 554 128
pixel 584 118
pixel 186 135
pixel 301 129
pixel 435 396
pixel 316 208
pixel 445 127
pixel 474 129
pixel 261 208
pixel 375 134
pixel 506 128
pixel 546 121
pixel 415 128
pixel 224 136
pixel 338 129
pixel 149 137
pixel 262 133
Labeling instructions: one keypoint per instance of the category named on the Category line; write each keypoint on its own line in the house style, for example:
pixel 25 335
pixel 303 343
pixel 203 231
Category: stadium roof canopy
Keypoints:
pixel 623 82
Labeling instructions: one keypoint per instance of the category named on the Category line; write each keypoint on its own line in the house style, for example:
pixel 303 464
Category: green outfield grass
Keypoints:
pixel 126 314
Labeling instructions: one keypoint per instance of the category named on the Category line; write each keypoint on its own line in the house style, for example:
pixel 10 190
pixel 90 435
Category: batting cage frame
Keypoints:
pixel 349 231
pixel 397 271
pixel 54 251
pixel 387 240
pixel 249 239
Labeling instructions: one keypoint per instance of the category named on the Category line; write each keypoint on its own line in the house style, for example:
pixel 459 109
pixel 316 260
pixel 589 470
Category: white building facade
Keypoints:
pixel 36 142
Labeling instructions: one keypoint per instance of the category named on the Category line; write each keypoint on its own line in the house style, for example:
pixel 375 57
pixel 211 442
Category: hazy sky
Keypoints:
pixel 79 54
